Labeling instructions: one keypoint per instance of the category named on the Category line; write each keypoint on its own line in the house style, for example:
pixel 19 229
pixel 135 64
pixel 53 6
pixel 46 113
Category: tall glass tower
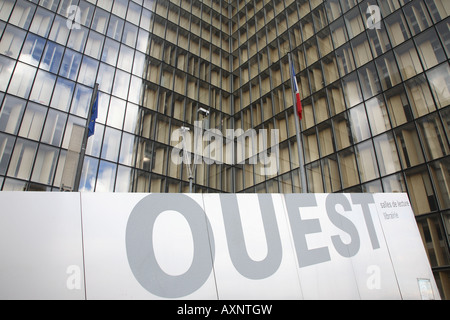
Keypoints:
pixel 373 75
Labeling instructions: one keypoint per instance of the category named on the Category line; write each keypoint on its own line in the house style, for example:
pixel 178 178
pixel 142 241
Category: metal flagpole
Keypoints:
pixel 298 130
pixel 85 139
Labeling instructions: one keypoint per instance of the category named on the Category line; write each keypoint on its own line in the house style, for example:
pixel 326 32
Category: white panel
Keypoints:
pixel 404 243
pixel 108 271
pixel 40 246
pixel 211 246
pixel 231 284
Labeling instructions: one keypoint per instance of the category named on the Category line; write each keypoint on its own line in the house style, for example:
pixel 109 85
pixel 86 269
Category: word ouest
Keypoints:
pixel 144 265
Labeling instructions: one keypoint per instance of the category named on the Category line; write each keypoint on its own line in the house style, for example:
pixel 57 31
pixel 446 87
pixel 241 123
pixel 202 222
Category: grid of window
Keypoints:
pixel 376 112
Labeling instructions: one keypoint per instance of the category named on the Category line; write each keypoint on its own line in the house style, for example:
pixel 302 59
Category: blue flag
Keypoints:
pixel 93 115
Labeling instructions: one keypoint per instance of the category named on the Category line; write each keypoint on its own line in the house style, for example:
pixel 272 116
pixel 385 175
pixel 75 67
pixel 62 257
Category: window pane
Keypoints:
pixel 54 127
pixel 372 187
pixel 73 120
pixel 6 69
pixel 314 177
pixel 100 21
pixel 396 25
pixel 32 50
pixel 336 98
pixel 33 121
pixel 345 59
pixel 62 96
pixel 326 140
pixel 331 174
pixel 77 39
pixel 420 96
pixel 394 183
pixel 370 83
pixel 398 105
pixel 439 79
pixel 6 7
pixel 338 32
pixel 94 144
pixel 387 70
pixel 120 8
pixel 379 41
pixel 352 91
pixel 124 179
pixel 111 145
pixel 433 235
pixel 81 101
pixel 349 172
pixel 417 16
pixel 59 32
pixel 361 50
pixel 378 116
pixel 342 131
pixel 127 150
pixel 45 166
pixel 22 80
pixel 6 146
pixel 408 60
pixel 387 155
pixel 409 146
pixel 94 45
pixel 388 6
pixel 70 64
pixel 125 61
pixel 22 14
pixel 421 193
pixel 12 41
pixel 88 72
pixel 444 33
pixel 116 113
pixel 430 49
pixel 14 185
pixel 22 159
pixel 433 137
pixel 43 87
pixel 105 78
pixel 354 22
pixel 134 13
pixel 130 34
pixel 367 164
pixel 115 28
pixel 131 118
pixel 440 172
pixel 106 177
pixel 11 114
pixel 50 4
pixel 52 57
pixel 439 9
pixel 310 146
pixel 88 175
pixel 121 84
pixel 359 123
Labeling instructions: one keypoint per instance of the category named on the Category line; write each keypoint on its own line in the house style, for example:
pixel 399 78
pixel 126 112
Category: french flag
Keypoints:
pixel 297 92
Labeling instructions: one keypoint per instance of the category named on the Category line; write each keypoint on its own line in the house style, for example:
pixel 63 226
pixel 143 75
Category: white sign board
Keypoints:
pixel 211 246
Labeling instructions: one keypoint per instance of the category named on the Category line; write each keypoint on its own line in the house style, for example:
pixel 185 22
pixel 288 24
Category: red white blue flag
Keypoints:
pixel 297 92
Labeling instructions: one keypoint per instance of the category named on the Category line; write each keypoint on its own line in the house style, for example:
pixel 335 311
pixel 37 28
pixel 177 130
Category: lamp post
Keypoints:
pixel 186 156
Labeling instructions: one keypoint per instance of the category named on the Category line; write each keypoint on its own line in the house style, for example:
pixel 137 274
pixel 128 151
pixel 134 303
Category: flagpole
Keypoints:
pixel 85 140
pixel 297 131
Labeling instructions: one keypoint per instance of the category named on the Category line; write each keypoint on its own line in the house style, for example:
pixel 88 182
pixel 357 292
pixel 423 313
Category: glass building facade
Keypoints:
pixel 375 95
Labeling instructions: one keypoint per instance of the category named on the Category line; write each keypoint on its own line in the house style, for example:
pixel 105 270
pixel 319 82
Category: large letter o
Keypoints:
pixel 141 255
